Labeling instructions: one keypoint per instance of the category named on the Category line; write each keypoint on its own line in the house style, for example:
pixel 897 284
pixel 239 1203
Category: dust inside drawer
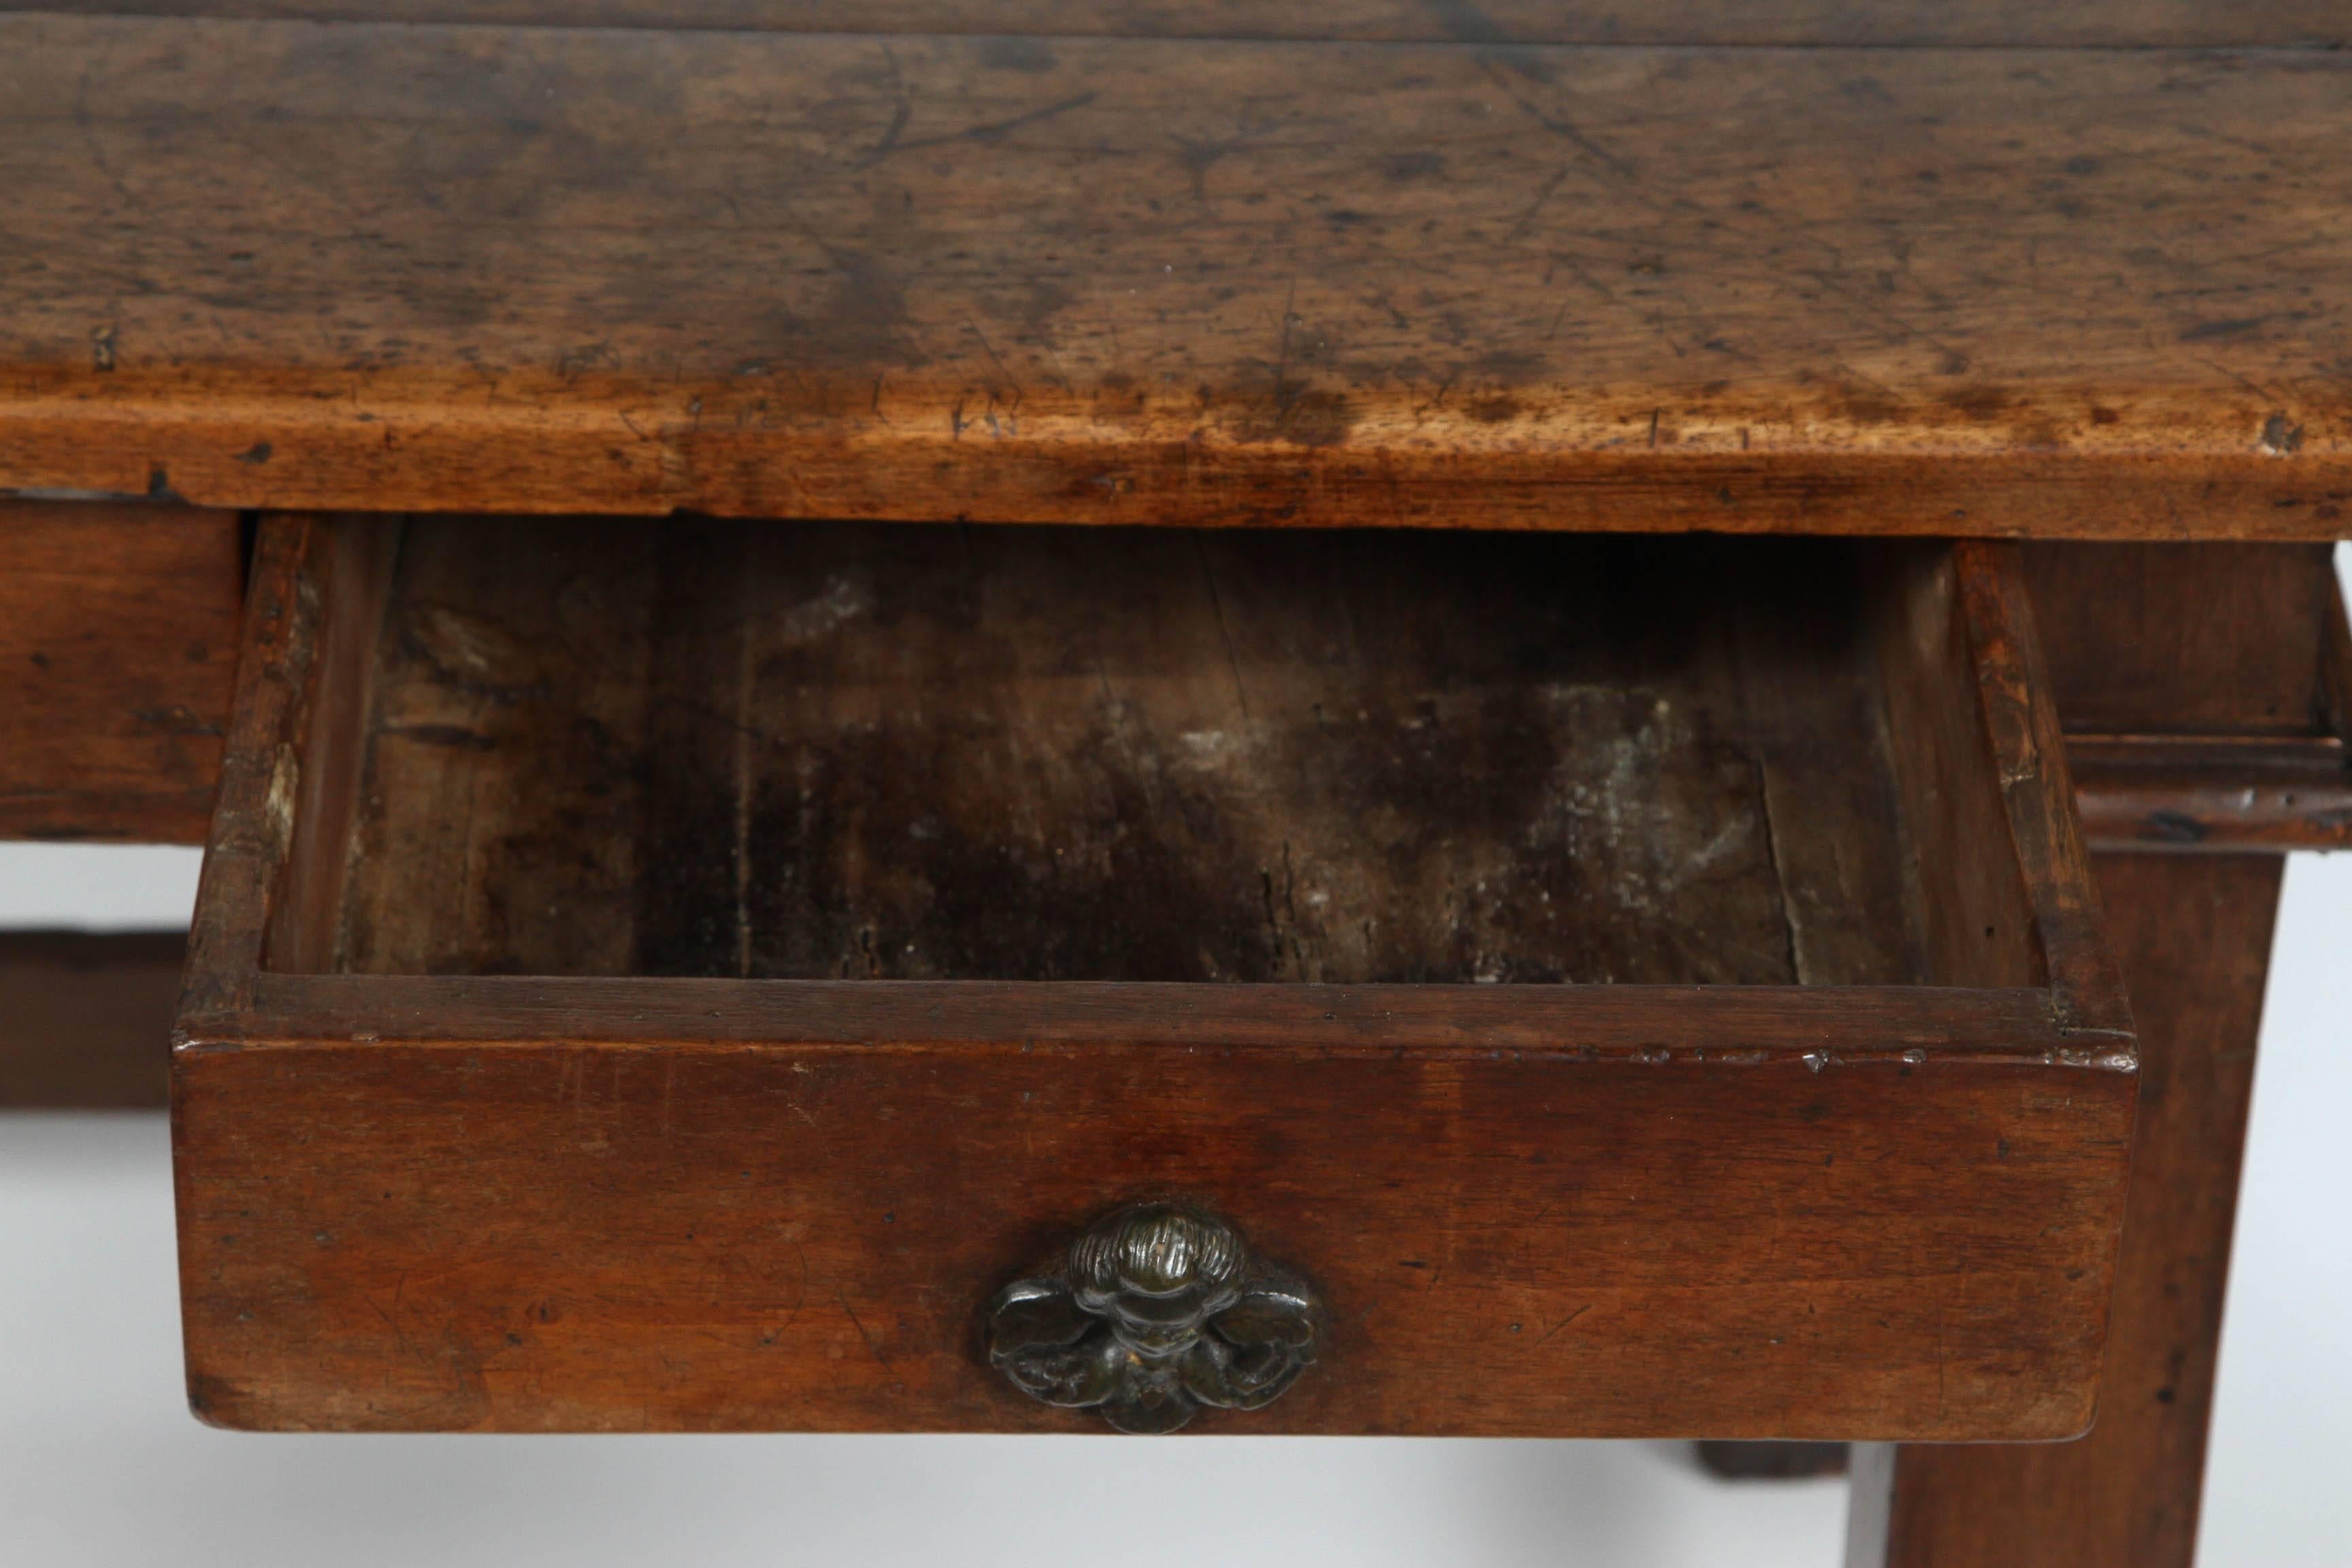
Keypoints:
pixel 1645 987
pixel 920 752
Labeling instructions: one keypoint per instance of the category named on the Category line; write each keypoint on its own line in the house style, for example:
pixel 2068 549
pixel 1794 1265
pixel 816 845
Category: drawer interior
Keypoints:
pixel 916 753
pixel 674 975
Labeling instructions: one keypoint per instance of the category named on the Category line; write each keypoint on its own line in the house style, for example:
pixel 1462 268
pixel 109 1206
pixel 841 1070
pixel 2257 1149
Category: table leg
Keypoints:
pixel 2193 935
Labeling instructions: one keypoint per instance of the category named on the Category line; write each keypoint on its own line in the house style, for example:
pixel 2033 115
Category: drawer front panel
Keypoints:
pixel 681 1237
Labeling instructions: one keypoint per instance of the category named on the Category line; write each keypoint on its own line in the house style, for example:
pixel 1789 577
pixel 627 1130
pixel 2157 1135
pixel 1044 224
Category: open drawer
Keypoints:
pixel 682 975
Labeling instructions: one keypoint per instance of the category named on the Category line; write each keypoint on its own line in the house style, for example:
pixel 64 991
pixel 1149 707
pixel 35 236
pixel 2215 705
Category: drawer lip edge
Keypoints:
pixel 1654 1025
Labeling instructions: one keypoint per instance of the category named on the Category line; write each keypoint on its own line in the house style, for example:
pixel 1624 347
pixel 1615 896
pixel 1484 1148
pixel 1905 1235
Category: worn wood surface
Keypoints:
pixel 2037 796
pixel 2228 799
pixel 118 653
pixel 920 752
pixel 2185 641
pixel 1875 1024
pixel 86 1019
pixel 1978 926
pixel 2092 23
pixel 2193 935
pixel 530 1236
pixel 526 1203
pixel 535 270
pixel 321 772
pixel 2203 690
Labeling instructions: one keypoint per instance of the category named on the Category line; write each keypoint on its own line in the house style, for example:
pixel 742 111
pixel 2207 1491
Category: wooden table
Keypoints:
pixel 275 277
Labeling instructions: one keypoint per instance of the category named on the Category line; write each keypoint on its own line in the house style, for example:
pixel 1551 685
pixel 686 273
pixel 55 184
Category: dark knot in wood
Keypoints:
pixel 1158 1310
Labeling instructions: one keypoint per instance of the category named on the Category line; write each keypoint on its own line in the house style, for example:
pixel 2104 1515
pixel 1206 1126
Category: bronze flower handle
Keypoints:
pixel 1157 1310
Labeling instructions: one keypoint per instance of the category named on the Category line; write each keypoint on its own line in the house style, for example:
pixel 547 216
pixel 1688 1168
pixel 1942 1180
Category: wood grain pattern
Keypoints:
pixel 531 1202
pixel 2012 1025
pixel 2193 935
pixel 2092 23
pixel 2185 641
pixel 87 1023
pixel 2037 794
pixel 1977 926
pixel 1034 754
pixel 2094 293
pixel 748 1237
pixel 267 855
pixel 2202 689
pixel 118 653
pixel 2215 798
pixel 322 782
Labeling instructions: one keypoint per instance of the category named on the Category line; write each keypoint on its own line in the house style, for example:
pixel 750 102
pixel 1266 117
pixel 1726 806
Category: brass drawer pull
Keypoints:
pixel 1157 1310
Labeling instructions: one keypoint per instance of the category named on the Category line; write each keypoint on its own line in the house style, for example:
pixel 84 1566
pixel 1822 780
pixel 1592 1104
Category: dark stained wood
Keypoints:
pixel 1039 754
pixel 324 779
pixel 1977 926
pixel 296 562
pixel 1771 1461
pixel 2029 754
pixel 2230 798
pixel 2201 690
pixel 118 655
pixel 531 1202
pixel 86 1019
pixel 1868 1025
pixel 2093 23
pixel 1802 718
pixel 2336 670
pixel 2193 935
pixel 2185 640
pixel 1177 281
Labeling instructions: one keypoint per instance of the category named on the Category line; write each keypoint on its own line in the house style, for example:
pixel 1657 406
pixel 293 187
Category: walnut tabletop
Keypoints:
pixel 1818 267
